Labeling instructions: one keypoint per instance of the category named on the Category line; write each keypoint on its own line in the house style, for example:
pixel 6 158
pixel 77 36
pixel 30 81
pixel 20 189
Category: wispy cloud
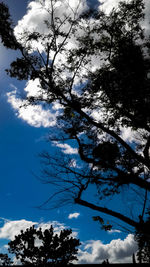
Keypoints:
pixel 74 215
pixel 114 231
pixel 66 149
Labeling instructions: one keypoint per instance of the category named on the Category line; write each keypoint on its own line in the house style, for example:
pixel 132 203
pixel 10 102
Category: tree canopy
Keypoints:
pixel 96 67
pixel 37 246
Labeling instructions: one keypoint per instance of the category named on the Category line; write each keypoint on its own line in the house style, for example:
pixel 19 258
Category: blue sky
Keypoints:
pixel 21 192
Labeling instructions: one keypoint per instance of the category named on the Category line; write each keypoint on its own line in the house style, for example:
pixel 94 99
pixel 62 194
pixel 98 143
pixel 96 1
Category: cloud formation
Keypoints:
pixel 114 231
pixel 12 228
pixel 34 115
pixel 66 149
pixel 40 11
pixel 108 5
pixel 74 215
pixel 117 251
pixel 91 251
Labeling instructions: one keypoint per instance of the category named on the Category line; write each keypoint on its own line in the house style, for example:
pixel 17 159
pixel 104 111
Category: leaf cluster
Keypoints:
pixel 5 260
pixel 6 30
pixel 106 227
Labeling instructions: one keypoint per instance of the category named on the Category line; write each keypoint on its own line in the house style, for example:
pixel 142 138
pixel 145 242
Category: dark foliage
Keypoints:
pixel 142 236
pixel 34 246
pixel 6 29
pixel 5 260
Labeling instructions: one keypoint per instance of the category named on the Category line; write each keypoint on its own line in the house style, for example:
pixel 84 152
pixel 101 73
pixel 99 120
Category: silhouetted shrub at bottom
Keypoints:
pixel 5 260
pixel 34 246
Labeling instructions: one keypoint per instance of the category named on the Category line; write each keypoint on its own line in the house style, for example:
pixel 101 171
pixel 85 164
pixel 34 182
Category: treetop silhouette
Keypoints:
pixel 37 246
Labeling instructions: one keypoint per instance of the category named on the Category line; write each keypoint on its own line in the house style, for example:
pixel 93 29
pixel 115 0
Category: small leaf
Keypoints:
pixel 98 218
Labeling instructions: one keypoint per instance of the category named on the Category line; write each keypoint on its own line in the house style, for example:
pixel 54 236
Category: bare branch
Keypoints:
pixel 107 211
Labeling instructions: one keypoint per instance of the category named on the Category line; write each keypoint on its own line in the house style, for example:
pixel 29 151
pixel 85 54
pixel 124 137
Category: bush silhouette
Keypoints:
pixel 34 246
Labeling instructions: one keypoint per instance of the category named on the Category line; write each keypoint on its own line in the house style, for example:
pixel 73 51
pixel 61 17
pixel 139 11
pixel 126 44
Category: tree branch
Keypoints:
pixel 107 211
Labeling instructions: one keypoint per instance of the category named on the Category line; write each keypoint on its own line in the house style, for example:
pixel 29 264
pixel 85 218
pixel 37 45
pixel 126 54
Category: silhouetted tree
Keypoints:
pixel 102 85
pixel 5 260
pixel 6 31
pixel 105 262
pixel 133 258
pixel 142 236
pixel 34 246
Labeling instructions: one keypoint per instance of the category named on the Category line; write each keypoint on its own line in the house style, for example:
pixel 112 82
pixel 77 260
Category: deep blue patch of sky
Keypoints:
pixel 93 3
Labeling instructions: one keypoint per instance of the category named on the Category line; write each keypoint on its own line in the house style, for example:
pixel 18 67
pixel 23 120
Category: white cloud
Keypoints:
pixel 40 11
pixel 117 251
pixel 12 228
pixel 108 5
pixel 114 231
pixel 128 134
pixel 73 215
pixel 33 88
pixel 37 13
pixel 66 149
pixel 34 115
